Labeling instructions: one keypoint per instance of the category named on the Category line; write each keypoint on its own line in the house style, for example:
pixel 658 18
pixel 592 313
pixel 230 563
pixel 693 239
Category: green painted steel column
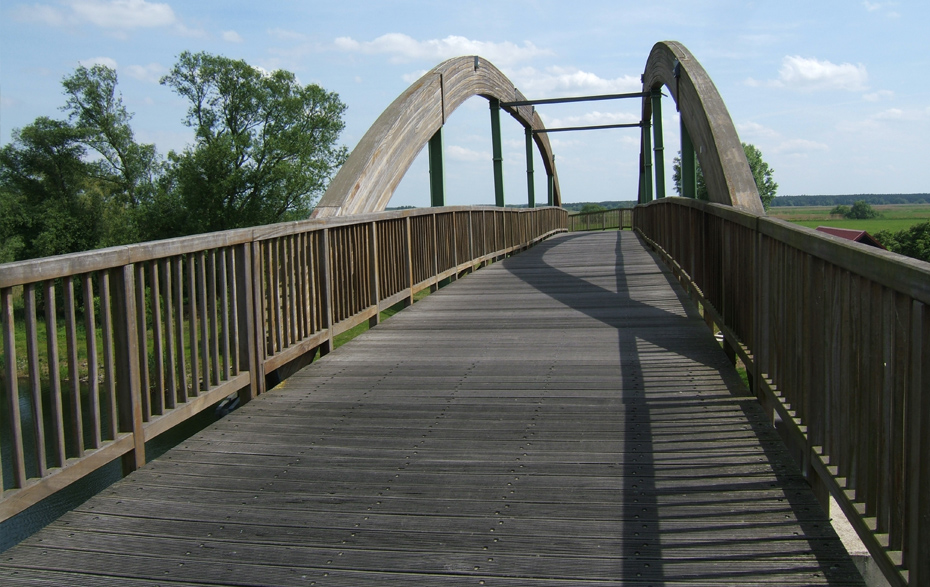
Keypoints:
pixel 688 175
pixel 498 153
pixel 530 188
pixel 659 148
pixel 647 161
pixel 437 176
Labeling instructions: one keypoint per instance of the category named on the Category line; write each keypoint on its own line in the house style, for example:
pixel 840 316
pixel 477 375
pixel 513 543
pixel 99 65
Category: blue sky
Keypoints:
pixel 834 93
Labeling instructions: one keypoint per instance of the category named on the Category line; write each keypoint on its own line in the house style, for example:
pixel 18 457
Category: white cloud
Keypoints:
pixel 123 14
pixel 413 75
pixel 107 61
pixel 40 13
pixel 462 154
pixel 799 147
pixel 567 80
pixel 232 37
pixel 878 96
pixel 812 74
pixel 594 118
pixel 286 35
pixel 404 48
pixel 754 129
pixel 147 73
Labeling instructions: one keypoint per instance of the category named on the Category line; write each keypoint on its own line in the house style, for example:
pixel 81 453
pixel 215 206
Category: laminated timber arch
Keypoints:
pixel 716 144
pixel 367 180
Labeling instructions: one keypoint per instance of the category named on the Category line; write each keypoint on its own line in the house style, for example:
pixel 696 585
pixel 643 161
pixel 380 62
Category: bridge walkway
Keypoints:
pixel 561 417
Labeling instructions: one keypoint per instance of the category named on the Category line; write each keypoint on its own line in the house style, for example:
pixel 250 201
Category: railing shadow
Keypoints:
pixel 646 555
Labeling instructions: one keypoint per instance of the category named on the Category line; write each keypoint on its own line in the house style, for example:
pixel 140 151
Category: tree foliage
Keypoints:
pixel 913 241
pixel 265 145
pixel 265 148
pixel 861 210
pixel 46 208
pixel 762 174
pixel 839 210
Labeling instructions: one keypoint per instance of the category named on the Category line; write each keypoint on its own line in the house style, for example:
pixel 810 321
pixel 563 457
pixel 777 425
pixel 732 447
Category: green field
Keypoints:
pixel 893 217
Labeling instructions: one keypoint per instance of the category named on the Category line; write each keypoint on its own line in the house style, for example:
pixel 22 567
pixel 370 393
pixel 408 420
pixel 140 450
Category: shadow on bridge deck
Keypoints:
pixel 560 417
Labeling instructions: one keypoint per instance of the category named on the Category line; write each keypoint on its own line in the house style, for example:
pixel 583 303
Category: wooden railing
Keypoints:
pixel 618 219
pixel 835 337
pixel 122 344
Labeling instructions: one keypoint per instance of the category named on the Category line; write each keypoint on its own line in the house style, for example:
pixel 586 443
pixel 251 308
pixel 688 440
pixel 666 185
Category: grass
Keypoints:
pixel 893 217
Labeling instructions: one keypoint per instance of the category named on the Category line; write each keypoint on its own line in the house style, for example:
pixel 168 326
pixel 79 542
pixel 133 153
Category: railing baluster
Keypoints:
pixel 177 265
pixel 142 328
pixel 171 377
pixel 54 375
pixel 35 379
pixel 12 389
pixel 109 366
pixel 74 379
pixel 93 387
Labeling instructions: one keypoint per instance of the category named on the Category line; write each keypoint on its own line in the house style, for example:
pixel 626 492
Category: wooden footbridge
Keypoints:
pixel 558 413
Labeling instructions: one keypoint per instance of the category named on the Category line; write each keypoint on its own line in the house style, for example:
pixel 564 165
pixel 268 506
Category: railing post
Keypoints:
pixel 530 187
pixel 128 387
pixel 409 259
pixel 374 276
pixel 249 323
pixel 12 384
pixel 437 178
pixel 646 155
pixel 260 330
pixel 498 154
pixel 326 293
pixel 659 148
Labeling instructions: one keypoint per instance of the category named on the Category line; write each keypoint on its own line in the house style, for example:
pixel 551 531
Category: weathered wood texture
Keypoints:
pixel 558 418
pixel 729 181
pixel 367 180
pixel 184 323
pixel 835 336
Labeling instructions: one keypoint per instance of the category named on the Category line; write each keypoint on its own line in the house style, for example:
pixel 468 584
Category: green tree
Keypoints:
pixel 839 210
pixel 265 146
pixel 861 210
pixel 761 173
pixel 591 207
pixel 97 110
pixel 913 241
pixel 46 210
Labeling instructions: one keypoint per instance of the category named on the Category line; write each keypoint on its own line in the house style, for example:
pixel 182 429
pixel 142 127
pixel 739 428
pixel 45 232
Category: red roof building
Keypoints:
pixel 860 236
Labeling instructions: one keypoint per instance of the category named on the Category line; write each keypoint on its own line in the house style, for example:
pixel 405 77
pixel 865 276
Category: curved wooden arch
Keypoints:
pixel 718 148
pixel 367 180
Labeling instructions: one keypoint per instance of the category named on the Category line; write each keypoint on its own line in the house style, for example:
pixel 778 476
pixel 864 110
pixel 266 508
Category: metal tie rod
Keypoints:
pixel 577 99
pixel 599 127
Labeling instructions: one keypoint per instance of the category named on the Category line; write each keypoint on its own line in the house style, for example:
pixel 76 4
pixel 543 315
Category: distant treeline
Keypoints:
pixel 849 200
pixel 610 205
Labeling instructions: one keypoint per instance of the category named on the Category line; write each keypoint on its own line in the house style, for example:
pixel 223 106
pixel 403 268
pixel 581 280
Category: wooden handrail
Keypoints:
pixel 183 323
pixel 618 218
pixel 835 337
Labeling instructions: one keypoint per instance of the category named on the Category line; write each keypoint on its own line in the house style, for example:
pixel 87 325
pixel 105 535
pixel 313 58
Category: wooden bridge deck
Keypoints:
pixel 560 417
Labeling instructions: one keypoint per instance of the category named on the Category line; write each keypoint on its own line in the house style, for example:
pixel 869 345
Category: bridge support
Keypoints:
pixel 550 185
pixel 646 169
pixel 530 187
pixel 437 176
pixel 497 151
pixel 688 169
pixel 659 147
